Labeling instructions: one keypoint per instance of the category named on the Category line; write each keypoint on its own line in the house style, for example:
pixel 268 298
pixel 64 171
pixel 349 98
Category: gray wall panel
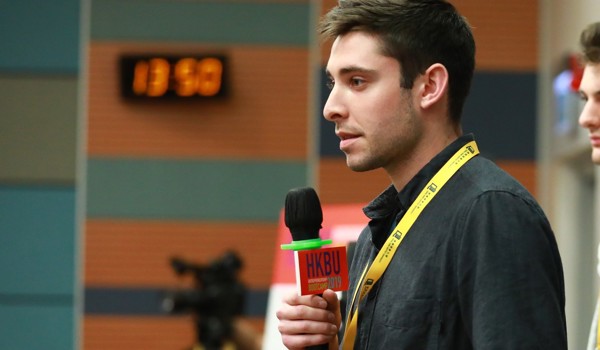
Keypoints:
pixel 190 189
pixel 219 22
pixel 38 129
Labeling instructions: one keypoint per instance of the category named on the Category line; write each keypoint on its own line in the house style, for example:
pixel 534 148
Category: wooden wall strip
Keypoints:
pixel 43 41
pixel 137 253
pixel 263 118
pixel 147 333
pixel 524 171
pixel 38 129
pixel 31 322
pixel 338 184
pixel 190 190
pixel 506 33
pixel 126 333
pixel 37 241
pixel 268 23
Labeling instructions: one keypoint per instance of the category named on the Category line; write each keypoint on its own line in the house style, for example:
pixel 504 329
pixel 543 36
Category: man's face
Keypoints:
pixel 374 117
pixel 590 115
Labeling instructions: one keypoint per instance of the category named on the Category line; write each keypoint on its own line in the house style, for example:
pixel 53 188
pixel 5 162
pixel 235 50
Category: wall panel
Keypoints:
pixel 130 253
pixel 160 333
pixel 38 129
pixel 338 184
pixel 280 23
pixel 37 246
pixel 192 179
pixel 39 36
pixel 264 117
pixel 506 33
pixel 523 171
pixel 190 189
pixel 126 333
pixel 31 324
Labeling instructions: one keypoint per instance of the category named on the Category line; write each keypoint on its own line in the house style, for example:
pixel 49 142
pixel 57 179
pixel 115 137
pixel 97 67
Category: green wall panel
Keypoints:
pixel 39 36
pixel 190 190
pixel 47 327
pixel 37 241
pixel 218 22
pixel 38 129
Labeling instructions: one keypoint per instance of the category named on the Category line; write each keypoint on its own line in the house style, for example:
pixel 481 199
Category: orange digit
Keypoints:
pixel 185 76
pixel 158 77
pixel 140 78
pixel 209 74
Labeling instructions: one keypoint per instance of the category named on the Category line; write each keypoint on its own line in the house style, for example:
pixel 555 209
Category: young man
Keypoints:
pixel 589 89
pixel 457 255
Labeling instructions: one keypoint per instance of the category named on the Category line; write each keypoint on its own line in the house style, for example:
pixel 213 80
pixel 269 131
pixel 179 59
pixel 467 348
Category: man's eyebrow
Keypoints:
pixel 351 69
pixel 592 93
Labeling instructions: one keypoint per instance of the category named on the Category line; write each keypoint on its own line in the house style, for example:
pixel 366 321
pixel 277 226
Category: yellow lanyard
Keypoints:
pixel 372 274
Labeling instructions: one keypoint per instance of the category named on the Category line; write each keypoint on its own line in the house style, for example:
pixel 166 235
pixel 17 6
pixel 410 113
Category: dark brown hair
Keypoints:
pixel 418 33
pixel 590 43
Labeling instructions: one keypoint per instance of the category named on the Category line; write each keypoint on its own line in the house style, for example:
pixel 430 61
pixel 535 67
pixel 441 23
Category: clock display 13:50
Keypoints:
pixel 187 77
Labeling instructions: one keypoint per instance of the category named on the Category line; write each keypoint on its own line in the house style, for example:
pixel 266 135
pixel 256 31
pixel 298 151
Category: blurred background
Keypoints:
pixel 99 190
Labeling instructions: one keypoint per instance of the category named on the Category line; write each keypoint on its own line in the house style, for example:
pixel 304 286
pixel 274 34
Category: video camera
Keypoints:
pixel 217 297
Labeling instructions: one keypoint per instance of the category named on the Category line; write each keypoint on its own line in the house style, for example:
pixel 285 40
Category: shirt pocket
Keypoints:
pixel 406 324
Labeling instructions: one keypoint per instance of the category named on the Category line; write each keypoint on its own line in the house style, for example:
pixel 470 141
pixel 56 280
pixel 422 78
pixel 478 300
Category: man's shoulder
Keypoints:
pixel 485 175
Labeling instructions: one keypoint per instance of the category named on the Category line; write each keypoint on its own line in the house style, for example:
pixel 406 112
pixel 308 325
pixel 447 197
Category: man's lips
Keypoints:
pixel 346 139
pixel 595 140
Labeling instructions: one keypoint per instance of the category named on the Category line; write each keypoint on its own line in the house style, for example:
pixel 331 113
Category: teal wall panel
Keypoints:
pixel 38 129
pixel 47 327
pixel 190 190
pixel 218 22
pixel 39 36
pixel 37 249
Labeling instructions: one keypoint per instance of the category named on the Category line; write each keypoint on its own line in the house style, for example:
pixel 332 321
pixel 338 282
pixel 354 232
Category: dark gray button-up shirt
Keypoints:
pixel 479 269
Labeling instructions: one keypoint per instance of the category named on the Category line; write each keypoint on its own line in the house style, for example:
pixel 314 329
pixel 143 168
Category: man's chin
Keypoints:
pixel 358 167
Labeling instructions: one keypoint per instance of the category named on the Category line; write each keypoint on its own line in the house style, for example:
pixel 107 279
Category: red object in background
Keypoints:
pixel 577 69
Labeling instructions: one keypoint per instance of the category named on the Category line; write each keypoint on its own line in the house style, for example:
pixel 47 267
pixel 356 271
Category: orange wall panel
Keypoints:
pixel 148 333
pixel 264 116
pixel 339 184
pixel 524 171
pixel 130 253
pixel 127 333
pixel 505 33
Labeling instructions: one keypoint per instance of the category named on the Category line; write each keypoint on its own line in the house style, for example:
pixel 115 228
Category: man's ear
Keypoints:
pixel 434 85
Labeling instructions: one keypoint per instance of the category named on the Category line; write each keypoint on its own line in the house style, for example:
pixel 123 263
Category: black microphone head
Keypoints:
pixel 303 213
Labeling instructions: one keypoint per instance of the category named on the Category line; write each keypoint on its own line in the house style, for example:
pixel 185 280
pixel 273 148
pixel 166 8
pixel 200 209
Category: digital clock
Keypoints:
pixel 183 77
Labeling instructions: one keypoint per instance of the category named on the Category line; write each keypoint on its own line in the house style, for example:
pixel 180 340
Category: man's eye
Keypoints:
pixel 330 84
pixel 356 81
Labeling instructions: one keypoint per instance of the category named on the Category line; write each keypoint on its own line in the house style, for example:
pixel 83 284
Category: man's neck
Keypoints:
pixel 424 152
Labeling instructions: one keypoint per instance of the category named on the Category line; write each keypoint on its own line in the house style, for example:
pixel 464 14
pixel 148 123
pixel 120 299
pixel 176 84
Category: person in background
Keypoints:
pixel 457 253
pixel 589 90
pixel 589 87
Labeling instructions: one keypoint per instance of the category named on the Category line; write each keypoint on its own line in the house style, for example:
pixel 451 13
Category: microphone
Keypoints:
pixel 317 268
